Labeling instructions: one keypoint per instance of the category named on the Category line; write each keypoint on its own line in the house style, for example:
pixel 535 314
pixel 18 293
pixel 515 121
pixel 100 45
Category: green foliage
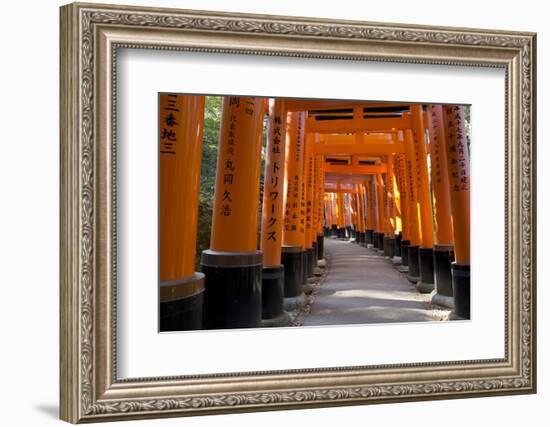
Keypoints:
pixel 212 120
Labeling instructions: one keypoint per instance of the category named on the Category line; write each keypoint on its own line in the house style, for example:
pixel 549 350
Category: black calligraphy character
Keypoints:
pixel 170 120
pixel 229 165
pixel 227 196
pixel 226 210
pixel 168 134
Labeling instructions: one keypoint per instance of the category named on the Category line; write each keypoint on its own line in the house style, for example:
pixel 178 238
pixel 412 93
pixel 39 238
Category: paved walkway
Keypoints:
pixel 364 287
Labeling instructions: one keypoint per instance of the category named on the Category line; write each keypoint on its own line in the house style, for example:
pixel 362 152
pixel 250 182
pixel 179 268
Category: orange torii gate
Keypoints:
pixel 353 131
pixel 380 145
pixel 359 168
pixel 386 137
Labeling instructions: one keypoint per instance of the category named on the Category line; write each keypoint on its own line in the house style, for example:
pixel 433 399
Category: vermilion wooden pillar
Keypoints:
pixel 413 214
pixel 273 313
pixel 425 253
pixel 233 265
pixel 444 244
pixel 294 229
pixel 458 167
pixel 181 289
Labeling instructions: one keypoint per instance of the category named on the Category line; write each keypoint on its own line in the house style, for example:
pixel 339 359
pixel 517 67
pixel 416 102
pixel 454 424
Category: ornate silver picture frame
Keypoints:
pixel 91 35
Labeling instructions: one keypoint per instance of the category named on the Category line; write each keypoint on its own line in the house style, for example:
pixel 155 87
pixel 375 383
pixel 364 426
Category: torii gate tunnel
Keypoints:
pixel 390 176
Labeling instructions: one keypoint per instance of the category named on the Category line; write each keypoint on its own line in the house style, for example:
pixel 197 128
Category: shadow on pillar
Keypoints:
pixel 443 258
pixel 414 265
pixel 181 304
pixel 273 290
pixel 292 260
pixel 426 263
pixel 233 289
pixel 461 291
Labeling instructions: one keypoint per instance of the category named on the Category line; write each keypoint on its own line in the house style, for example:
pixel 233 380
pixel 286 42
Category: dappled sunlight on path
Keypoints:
pixel 364 287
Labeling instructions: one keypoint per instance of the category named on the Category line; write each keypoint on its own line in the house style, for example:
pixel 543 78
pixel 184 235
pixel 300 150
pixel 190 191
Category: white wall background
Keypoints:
pixel 29 175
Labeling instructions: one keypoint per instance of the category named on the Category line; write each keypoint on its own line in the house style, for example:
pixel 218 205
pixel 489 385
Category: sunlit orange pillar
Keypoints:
pixel 292 255
pixel 444 244
pixel 372 212
pixel 397 205
pixel 327 213
pixel 458 167
pixel 340 214
pixel 333 220
pixel 389 238
pixel 233 265
pixel 181 289
pixel 425 253
pixel 363 188
pixel 361 213
pixel 353 214
pixel 381 205
pixel 273 313
pixel 401 178
pixel 413 212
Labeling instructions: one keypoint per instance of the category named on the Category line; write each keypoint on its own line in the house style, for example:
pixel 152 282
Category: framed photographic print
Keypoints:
pixel 268 212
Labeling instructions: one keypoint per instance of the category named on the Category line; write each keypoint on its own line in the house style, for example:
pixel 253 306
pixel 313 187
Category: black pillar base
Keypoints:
pixel 398 238
pixel 334 230
pixel 414 264
pixel 233 289
pixel 380 241
pixel 320 246
pixel 426 258
pixel 405 252
pixel 305 266
pixel 291 258
pixel 443 258
pixel 273 291
pixel 375 240
pixel 461 290
pixel 181 303
pixel 326 231
pixel 341 233
pixel 369 237
pixel 311 260
pixel 389 246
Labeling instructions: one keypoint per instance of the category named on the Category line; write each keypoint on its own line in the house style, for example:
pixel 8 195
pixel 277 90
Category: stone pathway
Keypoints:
pixel 364 287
